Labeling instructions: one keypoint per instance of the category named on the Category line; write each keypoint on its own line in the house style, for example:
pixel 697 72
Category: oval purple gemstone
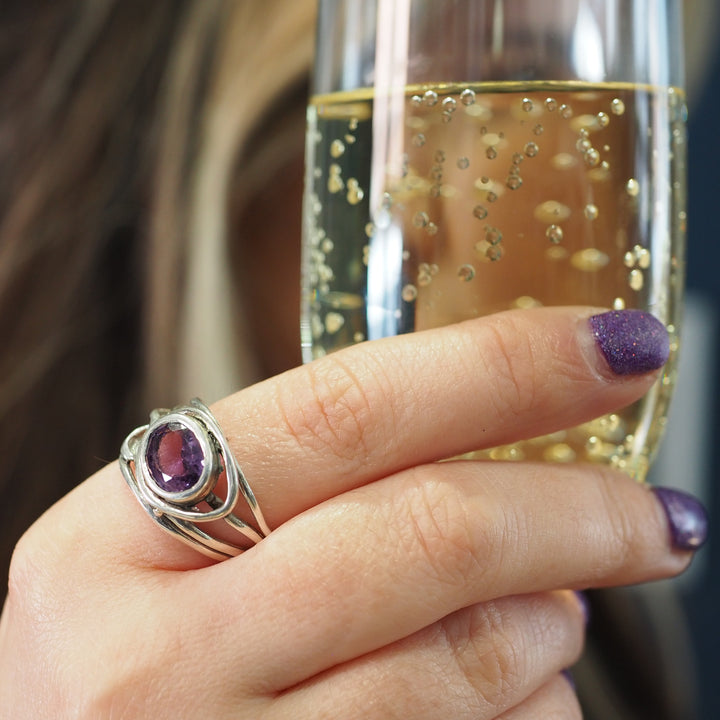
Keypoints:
pixel 175 458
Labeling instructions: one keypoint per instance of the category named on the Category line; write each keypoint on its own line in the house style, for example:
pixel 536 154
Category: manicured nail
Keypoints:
pixel 584 604
pixel 687 517
pixel 632 341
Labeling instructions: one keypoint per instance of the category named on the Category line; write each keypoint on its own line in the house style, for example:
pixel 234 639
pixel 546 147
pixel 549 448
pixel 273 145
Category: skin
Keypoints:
pixel 393 586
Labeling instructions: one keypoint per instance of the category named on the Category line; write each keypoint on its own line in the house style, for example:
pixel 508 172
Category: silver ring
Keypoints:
pixel 173 466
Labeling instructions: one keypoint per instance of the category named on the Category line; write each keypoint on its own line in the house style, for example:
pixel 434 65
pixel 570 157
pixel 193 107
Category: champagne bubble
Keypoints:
pixel 419 140
pixel 583 145
pixel 532 149
pixel 431 229
pixel 359 337
pixel 495 253
pixel 642 256
pixel 335 181
pixel 556 253
pixel 590 260
pixel 552 212
pixel 416 100
pixel 617 107
pixel 514 182
pixel 449 105
pixel 492 197
pixel 353 124
pixel 517 158
pixel 350 139
pixel 551 104
pixel 337 148
pixel 466 273
pixel 409 293
pixel 525 302
pixel 591 212
pixel 555 234
pixel 424 275
pixel 493 236
pixel 527 105
pixel 629 260
pixel 328 246
pixel 430 98
pixel 334 323
pixel 636 280
pixel 618 304
pixel 440 157
pixel 480 212
pixel 355 193
pixel 491 153
pixel 566 111
pixel 508 453
pixel 559 453
pixel 633 187
pixel 467 97
pixel 603 119
pixel 592 158
pixel 421 220
pixel 370 229
pixel 463 163
pixel 538 129
pixel 563 161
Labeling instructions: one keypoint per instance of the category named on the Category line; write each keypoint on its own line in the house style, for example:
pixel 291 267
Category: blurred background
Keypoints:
pixel 690 456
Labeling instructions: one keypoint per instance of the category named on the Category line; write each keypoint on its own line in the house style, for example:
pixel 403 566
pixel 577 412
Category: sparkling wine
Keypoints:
pixel 454 201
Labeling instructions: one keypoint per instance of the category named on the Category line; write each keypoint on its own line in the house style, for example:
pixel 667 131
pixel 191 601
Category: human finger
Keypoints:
pixel 374 409
pixel 376 565
pixel 472 665
pixel 556 700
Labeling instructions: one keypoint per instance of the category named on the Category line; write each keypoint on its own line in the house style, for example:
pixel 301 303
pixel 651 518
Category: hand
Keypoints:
pixel 393 587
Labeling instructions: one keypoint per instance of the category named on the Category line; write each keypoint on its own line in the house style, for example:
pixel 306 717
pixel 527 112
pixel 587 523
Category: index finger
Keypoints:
pixel 380 407
pixel 374 409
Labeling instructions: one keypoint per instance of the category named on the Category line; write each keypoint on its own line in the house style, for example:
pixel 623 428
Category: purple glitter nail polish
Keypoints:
pixel 687 518
pixel 632 341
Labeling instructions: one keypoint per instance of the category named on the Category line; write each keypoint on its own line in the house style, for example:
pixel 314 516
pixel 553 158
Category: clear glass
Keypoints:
pixel 469 156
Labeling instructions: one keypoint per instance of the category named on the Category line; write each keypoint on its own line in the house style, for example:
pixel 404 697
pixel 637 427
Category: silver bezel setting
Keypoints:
pixel 178 512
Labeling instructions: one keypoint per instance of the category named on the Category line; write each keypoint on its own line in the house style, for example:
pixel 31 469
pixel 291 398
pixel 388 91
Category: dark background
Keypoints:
pixel 702 596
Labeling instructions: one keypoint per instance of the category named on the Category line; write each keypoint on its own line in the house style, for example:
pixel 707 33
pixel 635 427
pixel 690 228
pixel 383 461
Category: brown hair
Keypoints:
pixel 122 131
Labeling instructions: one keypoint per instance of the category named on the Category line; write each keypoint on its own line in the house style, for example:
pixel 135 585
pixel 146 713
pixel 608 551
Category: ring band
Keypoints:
pixel 173 465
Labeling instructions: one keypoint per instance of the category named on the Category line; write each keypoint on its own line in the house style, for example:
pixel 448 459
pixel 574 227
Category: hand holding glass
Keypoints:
pixel 467 157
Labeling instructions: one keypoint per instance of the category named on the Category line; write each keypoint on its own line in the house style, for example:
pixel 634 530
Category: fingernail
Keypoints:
pixel 584 605
pixel 687 518
pixel 633 342
pixel 569 677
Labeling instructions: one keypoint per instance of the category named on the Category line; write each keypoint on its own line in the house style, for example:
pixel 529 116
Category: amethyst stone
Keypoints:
pixel 175 458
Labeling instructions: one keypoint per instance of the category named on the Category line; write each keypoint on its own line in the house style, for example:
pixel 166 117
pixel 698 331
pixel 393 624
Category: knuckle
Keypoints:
pixel 335 413
pixel 488 657
pixel 510 359
pixel 622 525
pixel 436 532
pixel 30 578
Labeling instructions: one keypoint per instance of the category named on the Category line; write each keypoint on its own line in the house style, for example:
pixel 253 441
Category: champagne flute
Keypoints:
pixel 470 156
